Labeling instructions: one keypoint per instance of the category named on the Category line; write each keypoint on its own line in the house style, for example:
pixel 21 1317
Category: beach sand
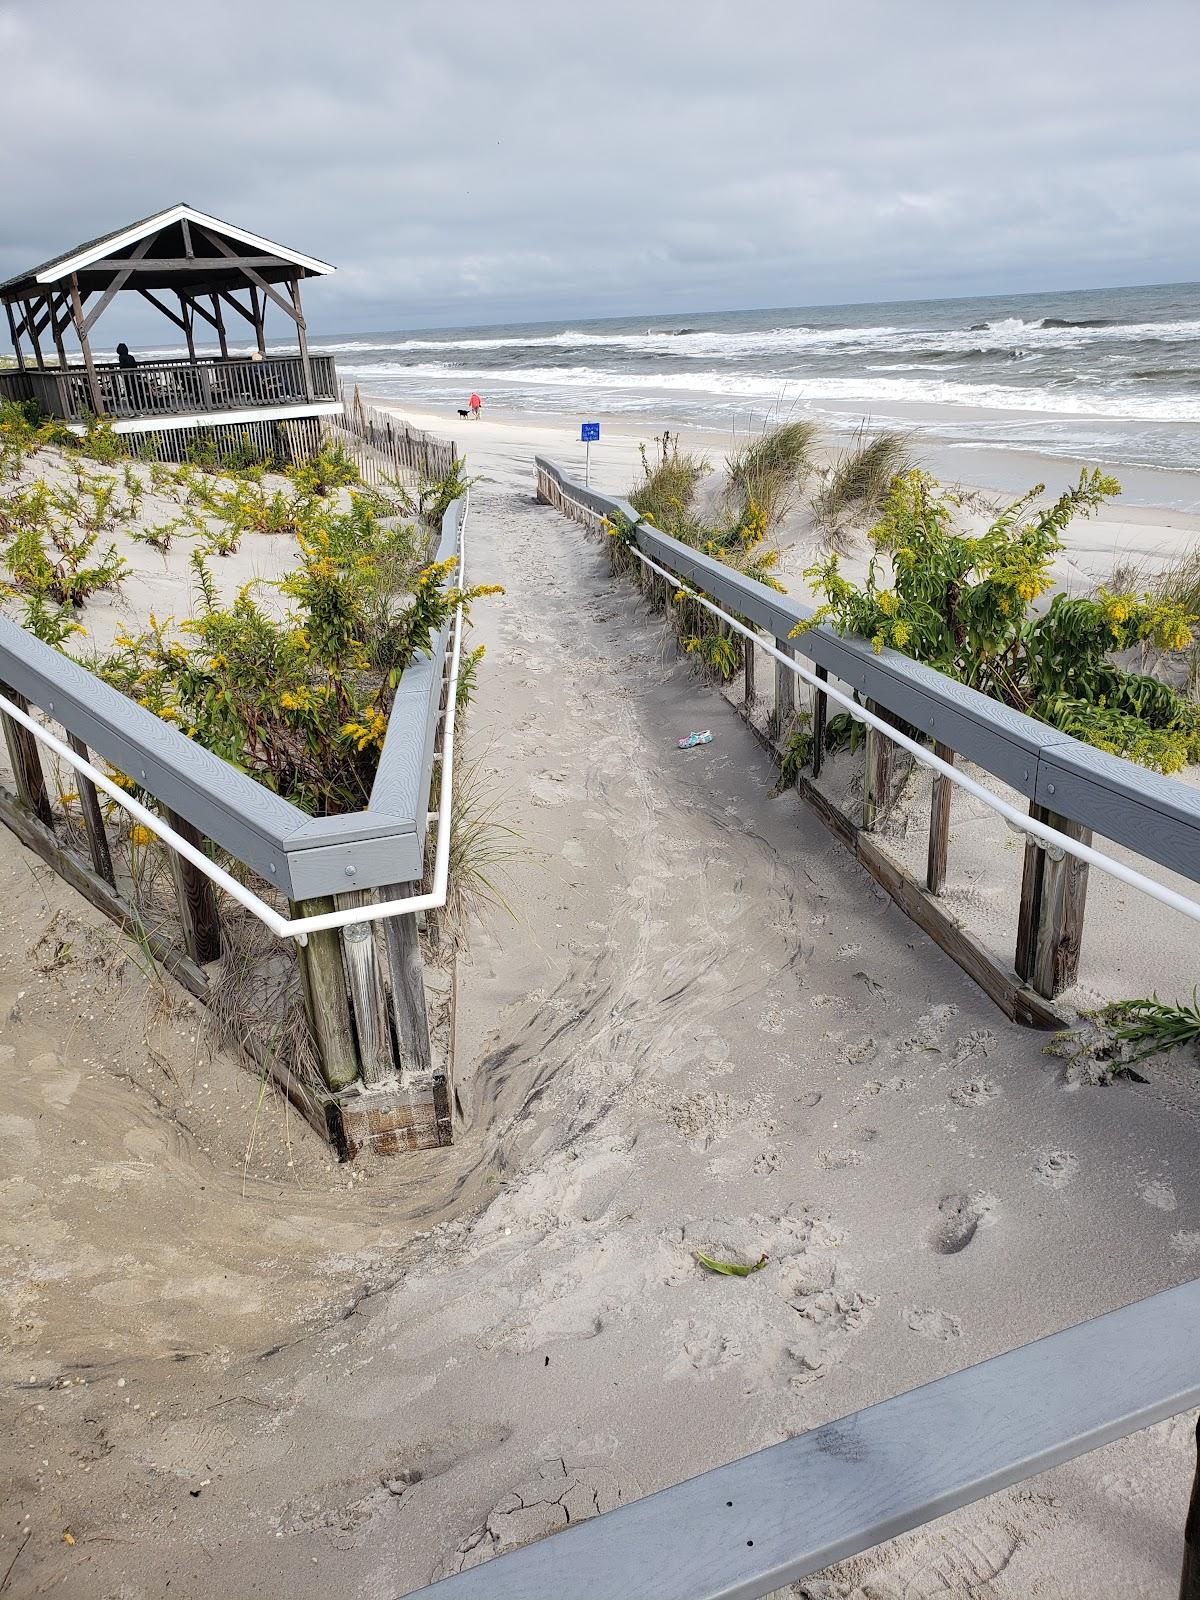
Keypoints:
pixel 704 1029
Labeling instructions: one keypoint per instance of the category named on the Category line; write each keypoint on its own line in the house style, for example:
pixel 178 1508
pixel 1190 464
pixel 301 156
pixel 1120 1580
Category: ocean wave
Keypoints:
pixel 866 390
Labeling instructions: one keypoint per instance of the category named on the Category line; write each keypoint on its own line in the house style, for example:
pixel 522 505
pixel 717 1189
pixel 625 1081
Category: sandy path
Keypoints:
pixel 707 1031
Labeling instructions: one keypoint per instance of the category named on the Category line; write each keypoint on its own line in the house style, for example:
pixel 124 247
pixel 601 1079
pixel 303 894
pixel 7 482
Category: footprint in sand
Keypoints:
pixel 1056 1168
pixel 1159 1195
pixel 975 1092
pixel 960 1217
pixel 933 1324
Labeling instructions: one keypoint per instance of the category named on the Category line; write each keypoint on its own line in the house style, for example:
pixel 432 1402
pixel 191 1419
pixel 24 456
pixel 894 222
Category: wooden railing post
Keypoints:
pixel 1053 901
pixel 785 694
pixel 1189 1583
pixel 93 819
pixel 747 673
pixel 197 900
pixel 407 985
pixel 878 782
pixel 820 713
pixel 939 824
pixel 25 760
pixel 324 979
pixel 366 994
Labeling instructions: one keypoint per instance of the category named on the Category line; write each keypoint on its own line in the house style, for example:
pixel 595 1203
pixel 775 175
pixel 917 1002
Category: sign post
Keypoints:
pixel 587 432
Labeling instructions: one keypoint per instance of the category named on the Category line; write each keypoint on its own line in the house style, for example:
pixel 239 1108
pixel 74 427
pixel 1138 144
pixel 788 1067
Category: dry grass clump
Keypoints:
pixel 668 488
pixel 1177 583
pixel 769 471
pixel 857 483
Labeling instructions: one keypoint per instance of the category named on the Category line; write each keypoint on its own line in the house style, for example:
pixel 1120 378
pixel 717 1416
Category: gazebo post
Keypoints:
pixel 86 346
pixel 185 313
pixel 31 329
pixel 57 331
pixel 294 285
pixel 260 317
pixel 220 321
pixel 16 338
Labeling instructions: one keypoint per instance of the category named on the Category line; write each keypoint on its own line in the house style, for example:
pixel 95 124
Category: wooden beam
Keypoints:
pixel 147 294
pixel 244 265
pixel 30 324
pixel 58 333
pixel 877 783
pixel 24 757
pixel 220 326
pixel 1051 915
pixel 260 316
pixel 367 1002
pixel 820 712
pixel 785 694
pixel 185 313
pixel 197 310
pixel 118 283
pixel 185 228
pixel 85 346
pixel 250 316
pixel 309 392
pixel 16 342
pixel 192 264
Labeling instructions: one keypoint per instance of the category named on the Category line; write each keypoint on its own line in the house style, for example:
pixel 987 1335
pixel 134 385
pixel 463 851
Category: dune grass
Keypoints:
pixel 769 471
pixel 857 483
pixel 668 489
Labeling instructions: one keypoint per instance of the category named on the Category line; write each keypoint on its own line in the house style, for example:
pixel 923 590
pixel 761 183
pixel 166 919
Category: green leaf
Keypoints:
pixel 731 1269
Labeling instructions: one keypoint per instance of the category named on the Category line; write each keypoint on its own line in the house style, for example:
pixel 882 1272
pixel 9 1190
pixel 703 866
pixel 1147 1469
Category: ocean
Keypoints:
pixel 1111 374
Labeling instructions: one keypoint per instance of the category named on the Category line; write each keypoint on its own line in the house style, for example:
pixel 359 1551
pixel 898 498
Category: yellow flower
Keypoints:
pixel 140 836
pixel 888 603
pixel 901 634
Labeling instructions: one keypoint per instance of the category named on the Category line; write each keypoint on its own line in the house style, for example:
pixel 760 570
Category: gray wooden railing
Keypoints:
pixel 1069 785
pixel 313 863
pixel 747 1529
pixel 173 388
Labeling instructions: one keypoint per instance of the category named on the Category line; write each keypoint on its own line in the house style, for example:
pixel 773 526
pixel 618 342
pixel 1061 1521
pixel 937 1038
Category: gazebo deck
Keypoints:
pixel 179 391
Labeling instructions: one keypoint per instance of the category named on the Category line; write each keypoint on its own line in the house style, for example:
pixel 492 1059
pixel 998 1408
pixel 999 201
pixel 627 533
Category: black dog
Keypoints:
pixel 463 413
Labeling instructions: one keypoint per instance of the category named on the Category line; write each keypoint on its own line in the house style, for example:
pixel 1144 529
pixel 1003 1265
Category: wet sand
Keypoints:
pixel 705 1030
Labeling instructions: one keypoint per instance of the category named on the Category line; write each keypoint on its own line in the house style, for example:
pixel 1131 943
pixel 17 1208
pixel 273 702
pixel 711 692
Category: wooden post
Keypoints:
pixel 16 340
pixel 367 1002
pixel 260 333
pixel 294 285
pixel 785 694
pixel 747 673
pixel 878 781
pixel 185 317
pixel 93 818
pixel 220 322
pixel 31 330
pixel 56 330
pixel 85 345
pixel 324 979
pixel 25 760
pixel 1053 902
pixel 820 712
pixel 407 985
pixel 197 899
pixel 939 824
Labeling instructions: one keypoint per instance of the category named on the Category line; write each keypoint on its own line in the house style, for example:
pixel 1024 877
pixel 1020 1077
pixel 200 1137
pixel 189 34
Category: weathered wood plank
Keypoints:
pixel 325 998
pixel 25 759
pixel 939 824
pixel 93 817
pixel 367 1002
pixel 877 783
pixel 785 694
pixel 197 900
pixel 406 985
pixel 820 714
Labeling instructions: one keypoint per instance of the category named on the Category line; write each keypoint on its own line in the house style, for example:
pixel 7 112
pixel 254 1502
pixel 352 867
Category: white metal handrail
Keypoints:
pixel 1041 833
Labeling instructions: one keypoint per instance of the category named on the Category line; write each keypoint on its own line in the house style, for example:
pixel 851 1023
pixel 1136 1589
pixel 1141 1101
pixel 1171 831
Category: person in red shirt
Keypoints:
pixel 475 403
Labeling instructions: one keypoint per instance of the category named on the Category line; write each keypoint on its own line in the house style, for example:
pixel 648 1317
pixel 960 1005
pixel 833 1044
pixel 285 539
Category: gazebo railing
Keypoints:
pixel 174 388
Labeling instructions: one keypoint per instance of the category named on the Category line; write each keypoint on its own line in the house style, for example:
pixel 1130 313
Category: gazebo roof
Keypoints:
pixel 174 249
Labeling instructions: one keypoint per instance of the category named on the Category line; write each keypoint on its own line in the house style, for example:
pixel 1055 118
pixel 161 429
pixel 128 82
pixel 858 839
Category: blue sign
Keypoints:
pixel 589 433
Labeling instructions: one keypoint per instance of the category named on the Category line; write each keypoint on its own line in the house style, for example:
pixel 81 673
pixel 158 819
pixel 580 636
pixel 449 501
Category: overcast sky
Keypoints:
pixel 467 162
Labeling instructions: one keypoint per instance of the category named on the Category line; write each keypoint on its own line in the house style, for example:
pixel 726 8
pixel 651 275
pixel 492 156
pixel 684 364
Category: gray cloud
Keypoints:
pixel 468 162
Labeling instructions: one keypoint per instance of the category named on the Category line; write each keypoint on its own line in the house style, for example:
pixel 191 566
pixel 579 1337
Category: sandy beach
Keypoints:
pixel 704 1029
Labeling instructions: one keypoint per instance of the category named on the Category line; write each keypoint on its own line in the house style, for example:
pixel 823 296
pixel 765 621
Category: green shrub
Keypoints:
pixel 965 603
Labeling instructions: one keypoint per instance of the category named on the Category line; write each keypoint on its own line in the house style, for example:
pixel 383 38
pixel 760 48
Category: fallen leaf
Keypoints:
pixel 731 1269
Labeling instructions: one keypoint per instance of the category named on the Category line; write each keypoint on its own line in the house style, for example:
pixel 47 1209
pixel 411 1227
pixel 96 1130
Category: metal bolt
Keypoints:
pixel 350 871
pixel 143 772
pixel 1049 788
pixel 271 866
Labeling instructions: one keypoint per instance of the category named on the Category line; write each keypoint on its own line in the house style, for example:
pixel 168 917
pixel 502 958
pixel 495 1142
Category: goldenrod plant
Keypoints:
pixel 972 605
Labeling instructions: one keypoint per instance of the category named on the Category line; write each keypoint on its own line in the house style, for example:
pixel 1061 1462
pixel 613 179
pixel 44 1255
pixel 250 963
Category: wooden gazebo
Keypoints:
pixel 196 271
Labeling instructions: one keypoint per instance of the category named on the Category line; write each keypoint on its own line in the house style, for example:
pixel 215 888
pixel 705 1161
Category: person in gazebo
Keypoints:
pixel 125 357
